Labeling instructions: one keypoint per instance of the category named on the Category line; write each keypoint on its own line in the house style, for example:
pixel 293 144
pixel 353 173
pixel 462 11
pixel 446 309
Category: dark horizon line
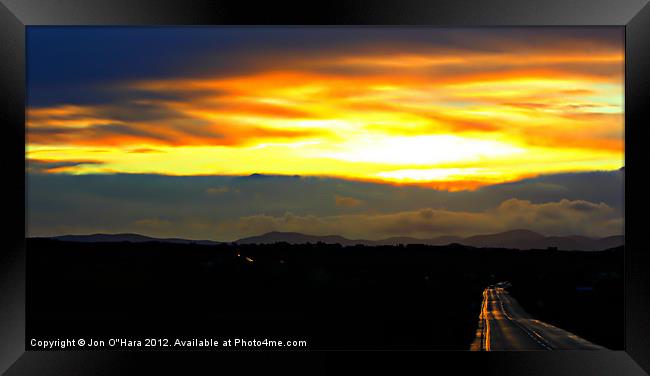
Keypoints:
pixel 271 175
pixel 154 238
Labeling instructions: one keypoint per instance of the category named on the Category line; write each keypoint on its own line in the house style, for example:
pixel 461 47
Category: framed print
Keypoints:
pixel 379 183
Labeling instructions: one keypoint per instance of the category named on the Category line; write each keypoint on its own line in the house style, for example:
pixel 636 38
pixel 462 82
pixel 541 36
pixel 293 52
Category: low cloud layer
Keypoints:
pixel 229 207
pixel 559 218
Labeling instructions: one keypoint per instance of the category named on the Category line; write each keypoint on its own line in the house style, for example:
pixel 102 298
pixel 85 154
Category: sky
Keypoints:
pixel 219 133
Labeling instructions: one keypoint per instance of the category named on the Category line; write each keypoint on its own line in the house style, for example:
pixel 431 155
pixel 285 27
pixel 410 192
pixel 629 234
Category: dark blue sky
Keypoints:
pixel 66 64
pixel 91 109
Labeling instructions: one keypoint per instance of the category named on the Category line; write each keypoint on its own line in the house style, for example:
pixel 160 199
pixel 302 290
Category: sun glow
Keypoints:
pixel 423 150
pixel 452 119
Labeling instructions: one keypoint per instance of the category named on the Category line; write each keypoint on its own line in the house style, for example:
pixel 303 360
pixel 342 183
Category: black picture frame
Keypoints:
pixel 15 15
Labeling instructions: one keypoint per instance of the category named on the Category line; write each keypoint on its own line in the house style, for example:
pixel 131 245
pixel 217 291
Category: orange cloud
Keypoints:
pixel 338 113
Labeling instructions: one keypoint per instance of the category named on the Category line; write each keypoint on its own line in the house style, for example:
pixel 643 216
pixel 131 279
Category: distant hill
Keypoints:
pixel 522 239
pixel 519 239
pixel 295 238
pixel 131 238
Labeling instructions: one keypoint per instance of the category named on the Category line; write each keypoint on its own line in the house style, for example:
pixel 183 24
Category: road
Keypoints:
pixel 504 325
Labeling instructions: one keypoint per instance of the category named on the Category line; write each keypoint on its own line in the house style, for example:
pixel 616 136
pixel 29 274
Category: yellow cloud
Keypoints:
pixel 437 118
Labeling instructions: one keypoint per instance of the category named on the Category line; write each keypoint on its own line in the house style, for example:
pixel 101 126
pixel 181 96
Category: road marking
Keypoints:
pixel 486 323
pixel 530 326
pixel 487 333
pixel 541 341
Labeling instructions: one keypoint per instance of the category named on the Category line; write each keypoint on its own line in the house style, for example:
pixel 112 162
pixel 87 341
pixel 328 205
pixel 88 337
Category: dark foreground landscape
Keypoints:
pixel 334 297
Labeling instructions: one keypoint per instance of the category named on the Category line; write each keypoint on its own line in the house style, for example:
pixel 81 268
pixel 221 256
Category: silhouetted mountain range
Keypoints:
pixel 131 238
pixel 517 239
